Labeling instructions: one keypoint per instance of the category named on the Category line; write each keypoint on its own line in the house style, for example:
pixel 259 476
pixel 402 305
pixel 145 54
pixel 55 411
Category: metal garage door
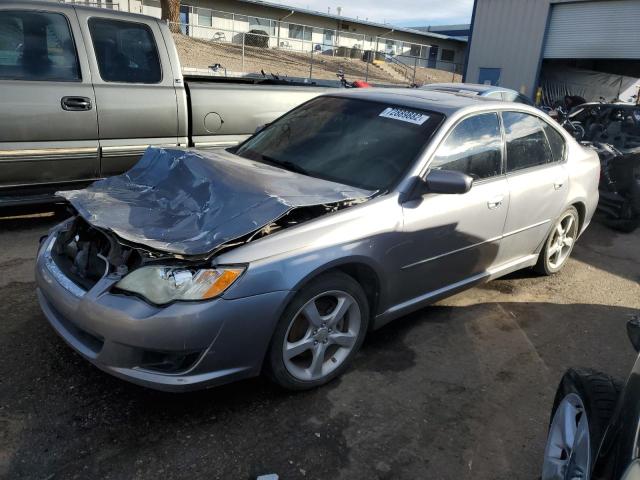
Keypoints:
pixel 605 29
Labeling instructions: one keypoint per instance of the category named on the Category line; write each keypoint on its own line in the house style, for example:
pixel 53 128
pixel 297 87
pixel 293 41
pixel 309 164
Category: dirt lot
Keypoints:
pixel 460 390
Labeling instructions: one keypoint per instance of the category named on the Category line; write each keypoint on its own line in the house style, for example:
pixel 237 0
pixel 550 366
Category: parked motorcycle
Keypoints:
pixel 575 128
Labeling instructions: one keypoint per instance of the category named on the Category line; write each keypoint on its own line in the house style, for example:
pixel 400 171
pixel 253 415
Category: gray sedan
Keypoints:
pixel 200 268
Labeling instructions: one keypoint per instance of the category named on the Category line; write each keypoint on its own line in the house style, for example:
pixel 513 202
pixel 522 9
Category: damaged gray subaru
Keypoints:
pixel 198 268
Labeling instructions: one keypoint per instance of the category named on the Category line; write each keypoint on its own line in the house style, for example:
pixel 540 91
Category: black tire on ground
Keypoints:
pixel 543 266
pixel 274 363
pixel 599 393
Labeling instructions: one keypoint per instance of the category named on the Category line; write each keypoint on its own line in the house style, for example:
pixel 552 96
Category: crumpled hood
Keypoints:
pixel 191 202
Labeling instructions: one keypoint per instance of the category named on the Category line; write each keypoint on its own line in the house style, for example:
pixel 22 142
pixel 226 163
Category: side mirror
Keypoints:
pixel 446 182
pixel 633 330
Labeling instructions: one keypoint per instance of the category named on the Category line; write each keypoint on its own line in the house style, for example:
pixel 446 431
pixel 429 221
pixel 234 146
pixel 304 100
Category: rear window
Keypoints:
pixel 351 141
pixel 126 51
pixel 37 46
pixel 527 144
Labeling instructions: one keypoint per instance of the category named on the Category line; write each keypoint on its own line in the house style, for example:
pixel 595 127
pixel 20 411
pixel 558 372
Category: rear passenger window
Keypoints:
pixel 474 147
pixel 556 141
pixel 126 51
pixel 527 144
pixel 37 46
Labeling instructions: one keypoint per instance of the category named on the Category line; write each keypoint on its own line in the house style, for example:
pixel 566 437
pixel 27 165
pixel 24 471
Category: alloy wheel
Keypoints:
pixel 321 335
pixel 561 241
pixel 567 455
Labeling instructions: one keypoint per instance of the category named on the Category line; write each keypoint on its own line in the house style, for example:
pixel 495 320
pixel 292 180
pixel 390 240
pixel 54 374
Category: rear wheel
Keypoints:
pixel 559 243
pixel 582 408
pixel 319 333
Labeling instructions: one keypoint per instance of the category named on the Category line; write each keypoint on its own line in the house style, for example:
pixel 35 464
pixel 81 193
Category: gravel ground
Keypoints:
pixel 459 390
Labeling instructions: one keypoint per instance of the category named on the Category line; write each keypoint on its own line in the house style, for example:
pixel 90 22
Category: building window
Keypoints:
pixel 264 24
pixel 204 17
pixel 299 32
pixel 448 55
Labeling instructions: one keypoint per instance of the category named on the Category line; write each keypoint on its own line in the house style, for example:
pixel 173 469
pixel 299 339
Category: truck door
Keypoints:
pixel 48 122
pixel 134 87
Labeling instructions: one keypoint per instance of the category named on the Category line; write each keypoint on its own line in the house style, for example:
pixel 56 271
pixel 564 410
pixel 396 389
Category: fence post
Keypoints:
pixel 311 63
pixel 243 37
pixel 366 73
pixel 415 66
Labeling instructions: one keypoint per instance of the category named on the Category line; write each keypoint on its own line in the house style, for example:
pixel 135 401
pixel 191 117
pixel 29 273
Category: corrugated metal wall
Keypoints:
pixel 508 34
pixel 605 29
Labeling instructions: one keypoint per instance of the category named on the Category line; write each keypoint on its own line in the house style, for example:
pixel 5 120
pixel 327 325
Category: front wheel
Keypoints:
pixel 559 243
pixel 319 333
pixel 582 408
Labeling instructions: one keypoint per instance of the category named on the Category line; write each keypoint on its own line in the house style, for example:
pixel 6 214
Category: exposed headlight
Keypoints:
pixel 165 284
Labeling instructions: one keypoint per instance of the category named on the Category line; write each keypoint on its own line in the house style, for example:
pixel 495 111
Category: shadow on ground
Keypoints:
pixel 446 392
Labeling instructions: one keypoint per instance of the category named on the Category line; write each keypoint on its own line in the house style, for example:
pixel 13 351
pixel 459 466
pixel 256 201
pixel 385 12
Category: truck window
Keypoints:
pixel 126 51
pixel 37 46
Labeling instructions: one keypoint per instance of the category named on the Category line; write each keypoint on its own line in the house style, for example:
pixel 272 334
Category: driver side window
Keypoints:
pixel 473 147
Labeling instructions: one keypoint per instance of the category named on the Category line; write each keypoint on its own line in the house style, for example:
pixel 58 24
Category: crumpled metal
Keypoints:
pixel 190 202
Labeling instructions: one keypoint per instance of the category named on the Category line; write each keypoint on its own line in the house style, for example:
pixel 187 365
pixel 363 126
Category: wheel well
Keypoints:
pixel 582 213
pixel 368 280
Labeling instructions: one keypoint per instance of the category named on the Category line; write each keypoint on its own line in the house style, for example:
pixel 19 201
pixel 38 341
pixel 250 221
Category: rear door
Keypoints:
pixel 48 122
pixel 538 182
pixel 134 87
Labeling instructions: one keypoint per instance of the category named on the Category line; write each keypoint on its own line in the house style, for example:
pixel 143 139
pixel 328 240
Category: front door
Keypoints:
pixel 452 240
pixel 184 19
pixel 538 182
pixel 134 88
pixel 489 76
pixel 48 122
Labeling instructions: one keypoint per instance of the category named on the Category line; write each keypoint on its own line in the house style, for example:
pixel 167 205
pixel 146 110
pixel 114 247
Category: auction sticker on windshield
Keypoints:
pixel 404 115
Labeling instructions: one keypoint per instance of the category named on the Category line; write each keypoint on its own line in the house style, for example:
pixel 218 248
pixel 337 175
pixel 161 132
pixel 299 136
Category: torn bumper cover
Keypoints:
pixel 187 204
pixel 191 202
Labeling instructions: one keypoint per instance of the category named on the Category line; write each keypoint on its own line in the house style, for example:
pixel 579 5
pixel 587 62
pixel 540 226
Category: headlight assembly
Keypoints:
pixel 162 285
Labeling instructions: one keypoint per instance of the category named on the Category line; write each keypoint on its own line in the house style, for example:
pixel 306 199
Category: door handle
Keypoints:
pixel 76 104
pixel 495 202
pixel 558 185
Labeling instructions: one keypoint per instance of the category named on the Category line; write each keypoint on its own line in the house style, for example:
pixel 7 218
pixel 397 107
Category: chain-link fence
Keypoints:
pixel 244 44
pixel 272 50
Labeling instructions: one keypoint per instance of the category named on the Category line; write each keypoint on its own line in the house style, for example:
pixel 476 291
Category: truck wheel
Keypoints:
pixel 583 405
pixel 319 333
pixel 559 243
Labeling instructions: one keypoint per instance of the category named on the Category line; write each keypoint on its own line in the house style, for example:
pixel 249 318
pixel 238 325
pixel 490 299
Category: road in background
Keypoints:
pixel 459 390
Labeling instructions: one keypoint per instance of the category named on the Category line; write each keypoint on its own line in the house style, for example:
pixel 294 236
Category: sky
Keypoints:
pixel 406 13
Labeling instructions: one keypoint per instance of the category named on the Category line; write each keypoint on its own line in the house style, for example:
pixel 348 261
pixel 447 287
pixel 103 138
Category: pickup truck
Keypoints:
pixel 84 91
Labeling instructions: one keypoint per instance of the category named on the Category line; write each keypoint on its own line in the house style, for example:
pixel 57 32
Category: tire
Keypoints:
pixel 296 328
pixel 596 394
pixel 546 264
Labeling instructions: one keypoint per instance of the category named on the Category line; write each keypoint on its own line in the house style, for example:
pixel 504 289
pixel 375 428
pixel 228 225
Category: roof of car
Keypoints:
pixel 436 101
pixel 471 87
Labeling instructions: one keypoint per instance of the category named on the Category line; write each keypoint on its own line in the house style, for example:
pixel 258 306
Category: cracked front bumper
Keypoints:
pixel 224 340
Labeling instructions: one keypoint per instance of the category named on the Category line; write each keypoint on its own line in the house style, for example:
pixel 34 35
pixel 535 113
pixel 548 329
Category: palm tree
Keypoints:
pixel 171 13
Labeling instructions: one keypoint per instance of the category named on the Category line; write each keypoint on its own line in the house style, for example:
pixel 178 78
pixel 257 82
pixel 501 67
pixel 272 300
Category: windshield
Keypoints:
pixel 355 142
